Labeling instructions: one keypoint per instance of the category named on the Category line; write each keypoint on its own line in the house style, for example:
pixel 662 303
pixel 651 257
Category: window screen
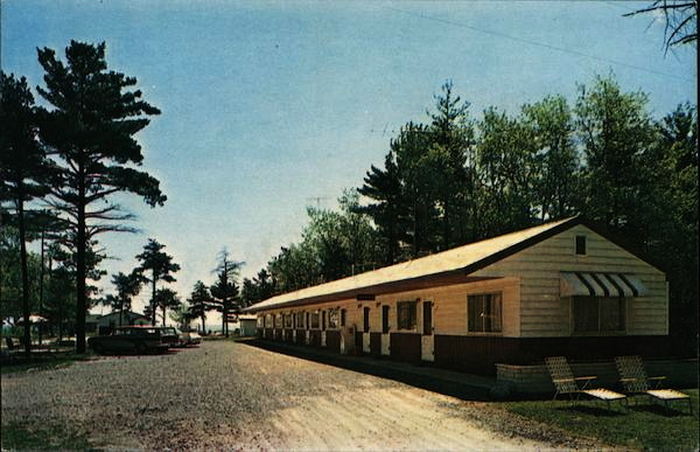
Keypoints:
pixel 598 314
pixel 484 313
pixel 406 315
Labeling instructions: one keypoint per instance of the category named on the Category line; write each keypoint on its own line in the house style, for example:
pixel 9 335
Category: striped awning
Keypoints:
pixel 601 284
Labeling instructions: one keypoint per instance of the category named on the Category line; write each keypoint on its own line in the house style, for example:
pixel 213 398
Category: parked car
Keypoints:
pixel 190 338
pixel 171 336
pixel 131 339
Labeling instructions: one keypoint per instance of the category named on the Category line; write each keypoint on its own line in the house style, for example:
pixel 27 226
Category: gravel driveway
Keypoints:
pixel 232 395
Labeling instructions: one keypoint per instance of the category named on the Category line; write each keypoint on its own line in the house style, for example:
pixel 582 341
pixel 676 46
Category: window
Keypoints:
pixel 306 324
pixel 323 320
pixel 268 321
pixel 406 315
pixel 333 318
pixel 598 314
pixel 484 313
pixel 314 320
pixel 581 245
pixel 365 320
pixel 278 321
pixel 343 314
pixel 260 321
pixel 288 320
pixel 299 320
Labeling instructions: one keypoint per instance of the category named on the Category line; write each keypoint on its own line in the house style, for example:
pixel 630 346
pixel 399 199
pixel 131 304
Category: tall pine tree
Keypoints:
pixel 90 128
pixel 23 168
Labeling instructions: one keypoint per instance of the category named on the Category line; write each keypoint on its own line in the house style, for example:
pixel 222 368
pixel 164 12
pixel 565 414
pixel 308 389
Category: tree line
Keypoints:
pixel 455 179
pixel 452 179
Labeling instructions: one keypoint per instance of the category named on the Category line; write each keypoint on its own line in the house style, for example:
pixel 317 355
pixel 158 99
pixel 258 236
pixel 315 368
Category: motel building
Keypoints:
pixel 561 288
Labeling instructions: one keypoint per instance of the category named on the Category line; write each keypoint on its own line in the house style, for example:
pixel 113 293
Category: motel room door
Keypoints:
pixel 427 336
pixel 365 330
pixel 385 339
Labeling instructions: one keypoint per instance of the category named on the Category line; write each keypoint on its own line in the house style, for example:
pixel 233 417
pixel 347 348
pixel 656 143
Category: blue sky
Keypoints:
pixel 269 104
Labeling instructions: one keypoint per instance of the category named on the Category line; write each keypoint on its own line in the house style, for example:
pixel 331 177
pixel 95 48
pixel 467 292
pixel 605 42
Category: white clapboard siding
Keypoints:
pixel 543 312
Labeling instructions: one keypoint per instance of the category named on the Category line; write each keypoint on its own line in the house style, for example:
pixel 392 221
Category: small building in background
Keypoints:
pixel 106 323
pixel 91 321
pixel 247 324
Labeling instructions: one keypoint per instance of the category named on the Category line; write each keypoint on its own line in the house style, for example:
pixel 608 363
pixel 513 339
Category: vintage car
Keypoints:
pixel 170 335
pixel 190 338
pixel 132 339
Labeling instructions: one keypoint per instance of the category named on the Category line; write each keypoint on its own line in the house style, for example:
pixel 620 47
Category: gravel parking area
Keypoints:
pixel 235 396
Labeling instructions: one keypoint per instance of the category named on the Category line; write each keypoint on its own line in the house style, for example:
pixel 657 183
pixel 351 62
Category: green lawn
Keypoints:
pixel 44 362
pixel 46 437
pixel 644 426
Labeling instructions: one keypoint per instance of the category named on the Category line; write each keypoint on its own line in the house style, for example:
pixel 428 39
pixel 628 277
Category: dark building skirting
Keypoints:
pixel 375 344
pixel 479 355
pixel 405 347
pixel 315 338
pixel 259 331
pixel 333 340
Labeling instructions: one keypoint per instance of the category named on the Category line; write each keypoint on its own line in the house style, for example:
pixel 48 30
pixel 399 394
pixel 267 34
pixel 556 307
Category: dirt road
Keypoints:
pixel 232 395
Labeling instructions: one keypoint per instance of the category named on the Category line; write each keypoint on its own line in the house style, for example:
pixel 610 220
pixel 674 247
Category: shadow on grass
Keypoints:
pixel 654 408
pixel 20 363
pixel 370 366
pixel 16 436
pixel 593 410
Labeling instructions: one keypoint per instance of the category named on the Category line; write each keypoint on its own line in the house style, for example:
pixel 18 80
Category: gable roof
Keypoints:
pixel 126 314
pixel 450 266
pixel 460 261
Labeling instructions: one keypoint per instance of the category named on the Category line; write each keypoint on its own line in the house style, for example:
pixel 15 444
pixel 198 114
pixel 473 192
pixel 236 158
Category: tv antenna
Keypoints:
pixel 318 200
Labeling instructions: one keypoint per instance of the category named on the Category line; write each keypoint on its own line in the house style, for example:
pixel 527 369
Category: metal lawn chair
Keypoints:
pixel 635 381
pixel 565 383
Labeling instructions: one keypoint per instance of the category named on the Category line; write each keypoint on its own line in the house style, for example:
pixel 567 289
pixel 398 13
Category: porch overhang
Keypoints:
pixel 370 293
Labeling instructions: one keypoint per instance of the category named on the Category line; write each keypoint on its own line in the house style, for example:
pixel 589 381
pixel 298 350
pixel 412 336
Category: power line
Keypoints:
pixel 539 44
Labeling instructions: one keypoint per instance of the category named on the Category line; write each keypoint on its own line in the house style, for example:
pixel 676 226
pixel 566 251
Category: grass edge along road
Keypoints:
pixel 46 362
pixel 16 436
pixel 645 426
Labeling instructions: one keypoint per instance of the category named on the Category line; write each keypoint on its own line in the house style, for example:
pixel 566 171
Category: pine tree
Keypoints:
pixel 199 303
pixel 90 130
pixel 127 286
pixel 23 167
pixel 160 265
pixel 225 291
pixel 166 299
